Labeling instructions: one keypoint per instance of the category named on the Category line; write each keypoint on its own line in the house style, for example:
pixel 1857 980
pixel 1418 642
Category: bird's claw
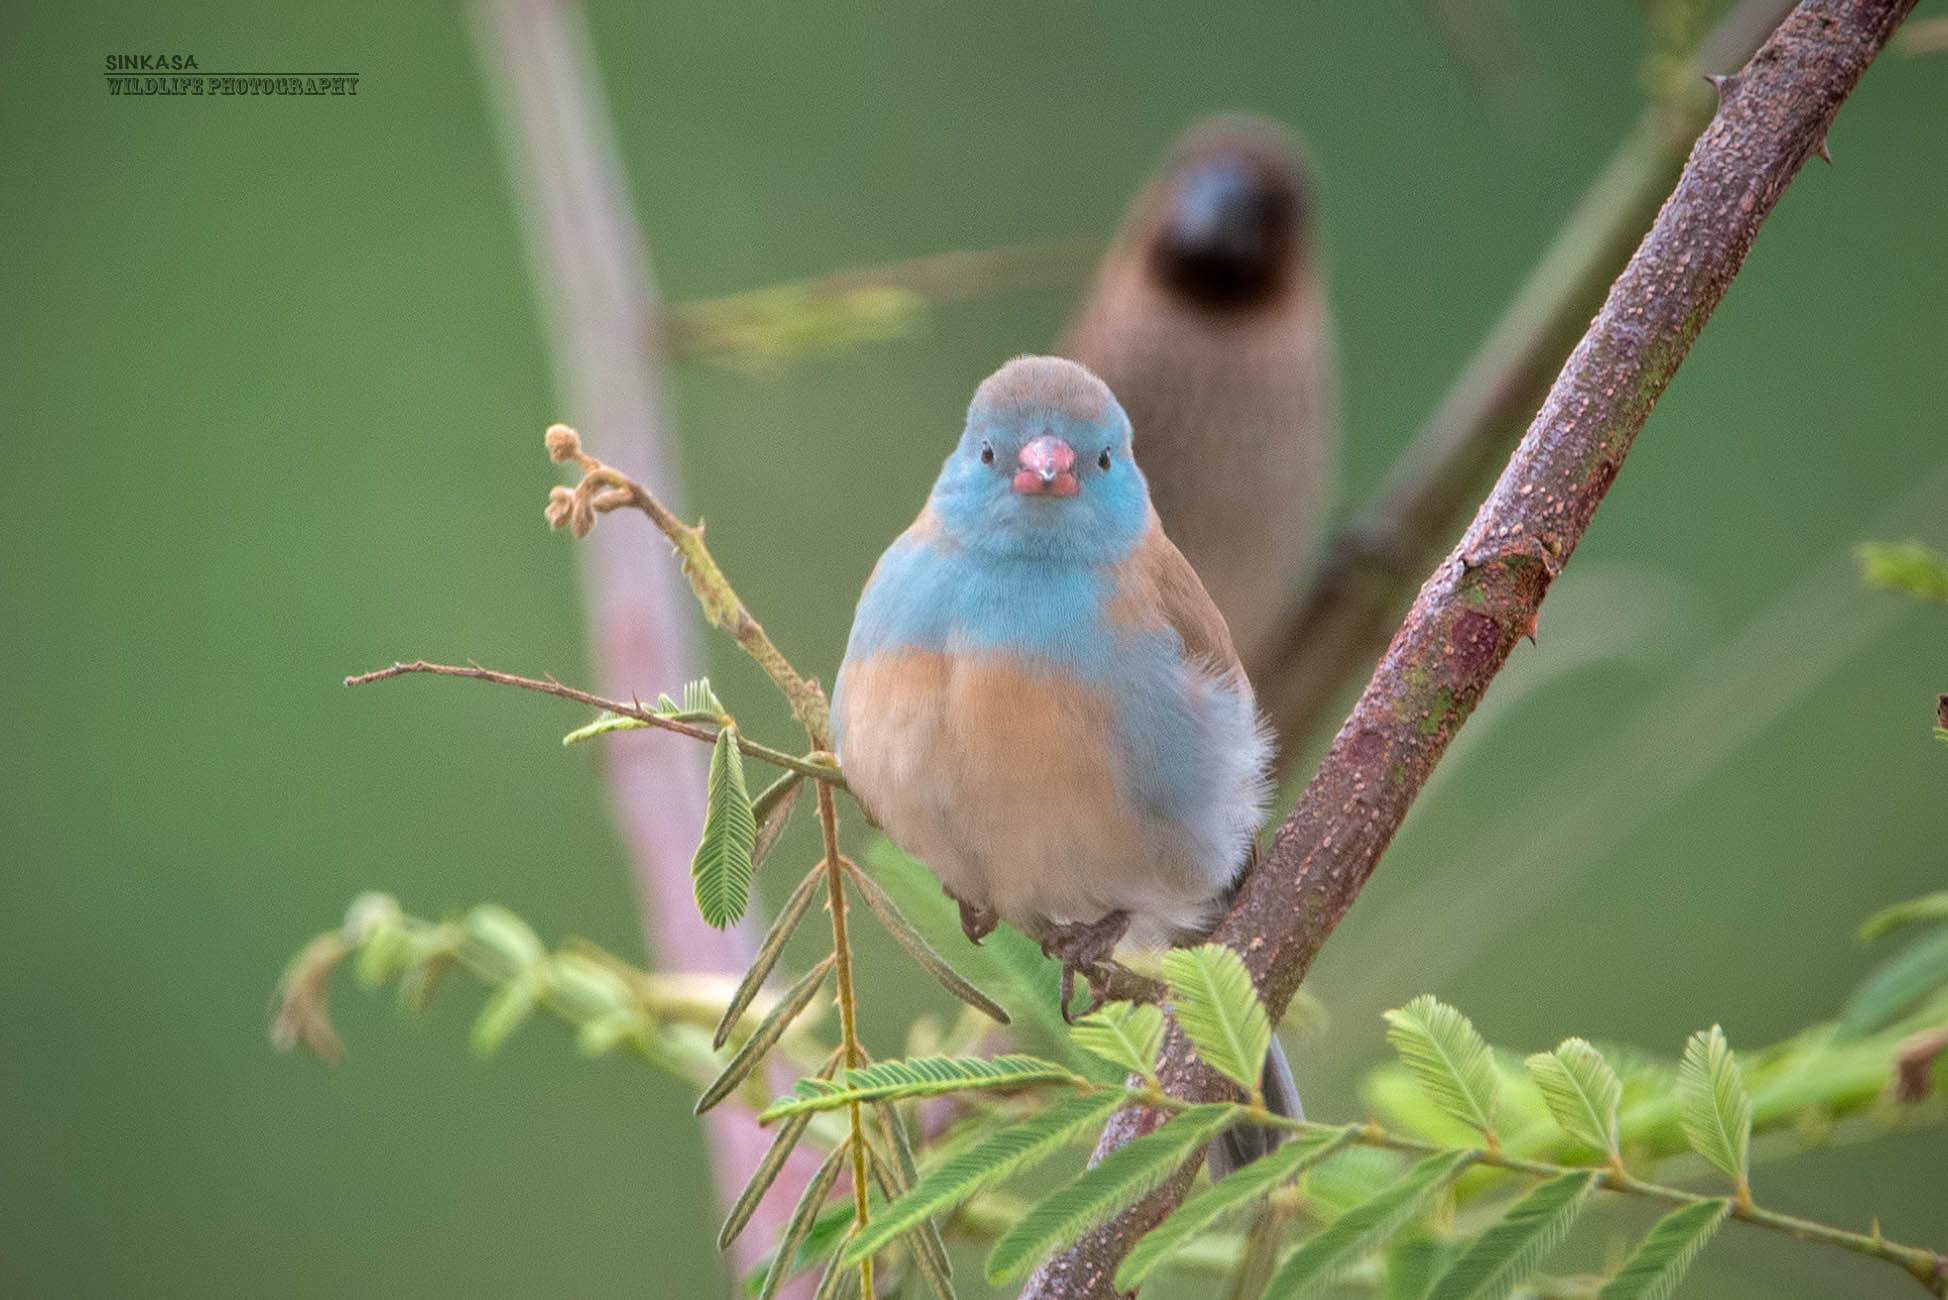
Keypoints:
pixel 1085 947
pixel 976 922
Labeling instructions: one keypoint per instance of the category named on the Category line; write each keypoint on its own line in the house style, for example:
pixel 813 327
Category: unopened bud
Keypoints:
pixel 581 514
pixel 560 501
pixel 563 442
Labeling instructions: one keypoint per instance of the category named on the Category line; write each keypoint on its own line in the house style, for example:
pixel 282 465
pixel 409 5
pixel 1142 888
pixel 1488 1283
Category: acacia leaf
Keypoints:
pixel 1354 1235
pixel 769 950
pixel 908 936
pixel 1581 1091
pixel 1446 1055
pixel 1007 1150
pixel 1234 1189
pixel 1508 1252
pixel 919 1076
pixel 1213 999
pixel 1123 1033
pixel 769 1030
pixel 1896 984
pixel 1713 1108
pixel 1106 1187
pixel 720 873
pixel 1665 1254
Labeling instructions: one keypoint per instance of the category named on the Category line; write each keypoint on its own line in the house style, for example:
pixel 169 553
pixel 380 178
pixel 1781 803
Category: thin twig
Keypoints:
pixel 777 321
pixel 634 712
pixel 604 489
pixel 1485 596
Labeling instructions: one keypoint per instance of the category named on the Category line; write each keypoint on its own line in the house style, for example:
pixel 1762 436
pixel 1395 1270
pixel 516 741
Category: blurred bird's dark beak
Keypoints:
pixel 1227 230
pixel 1047 468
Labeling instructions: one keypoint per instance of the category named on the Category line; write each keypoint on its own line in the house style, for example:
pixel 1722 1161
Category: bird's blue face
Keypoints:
pixel 1036 480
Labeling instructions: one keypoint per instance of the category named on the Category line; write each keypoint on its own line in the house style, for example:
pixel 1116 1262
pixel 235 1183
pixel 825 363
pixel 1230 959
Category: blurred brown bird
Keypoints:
pixel 1208 320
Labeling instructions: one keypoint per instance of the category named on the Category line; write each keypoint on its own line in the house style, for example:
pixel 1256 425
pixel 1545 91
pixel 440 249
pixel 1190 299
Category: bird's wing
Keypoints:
pixel 1157 582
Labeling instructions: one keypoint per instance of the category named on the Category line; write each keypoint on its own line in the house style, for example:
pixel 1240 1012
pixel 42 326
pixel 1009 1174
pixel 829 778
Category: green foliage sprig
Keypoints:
pixel 1445 1056
pixel 738 832
pixel 1574 1121
pixel 1912 567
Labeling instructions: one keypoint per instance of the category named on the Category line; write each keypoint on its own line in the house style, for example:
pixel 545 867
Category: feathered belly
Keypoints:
pixel 1005 781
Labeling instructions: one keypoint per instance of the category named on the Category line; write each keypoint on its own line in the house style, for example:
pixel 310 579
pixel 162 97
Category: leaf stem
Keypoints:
pixel 828 820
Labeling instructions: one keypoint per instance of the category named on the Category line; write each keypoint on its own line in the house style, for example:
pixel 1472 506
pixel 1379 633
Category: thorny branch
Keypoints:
pixel 1485 595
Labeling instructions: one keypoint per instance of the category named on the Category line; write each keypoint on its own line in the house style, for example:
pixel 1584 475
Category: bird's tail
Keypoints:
pixel 1239 1146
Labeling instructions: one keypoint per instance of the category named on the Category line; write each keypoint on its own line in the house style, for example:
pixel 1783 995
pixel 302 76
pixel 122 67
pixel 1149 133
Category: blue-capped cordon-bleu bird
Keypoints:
pixel 1040 702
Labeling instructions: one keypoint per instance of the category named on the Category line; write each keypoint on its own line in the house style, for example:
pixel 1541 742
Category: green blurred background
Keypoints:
pixel 274 382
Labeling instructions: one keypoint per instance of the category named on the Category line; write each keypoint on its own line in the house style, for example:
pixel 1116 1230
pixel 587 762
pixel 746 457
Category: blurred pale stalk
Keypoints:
pixel 591 270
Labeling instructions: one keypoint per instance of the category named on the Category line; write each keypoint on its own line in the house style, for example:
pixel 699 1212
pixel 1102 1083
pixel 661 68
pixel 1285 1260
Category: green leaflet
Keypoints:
pixel 1200 1211
pixel 1412 1264
pixel 921 1076
pixel 1713 1109
pixel 769 1031
pixel 503 1012
pixel 838 1283
pixel 929 1251
pixel 721 870
pixel 1315 1265
pixel 1007 1150
pixel 700 704
pixel 604 723
pixel 1509 1251
pixel 1928 907
pixel 769 950
pixel 1912 567
pixel 1123 1033
pixel 1581 1091
pixel 802 1215
pixel 1211 995
pixel 932 1269
pixel 1007 961
pixel 772 812
pixel 1660 1261
pixel 1896 984
pixel 1442 1049
pixel 504 940
pixel 908 936
pixel 1119 1178
pixel 767 1171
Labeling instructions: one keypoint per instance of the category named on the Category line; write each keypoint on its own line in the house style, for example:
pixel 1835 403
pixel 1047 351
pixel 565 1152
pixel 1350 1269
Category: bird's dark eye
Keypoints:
pixel 987 453
pixel 1103 460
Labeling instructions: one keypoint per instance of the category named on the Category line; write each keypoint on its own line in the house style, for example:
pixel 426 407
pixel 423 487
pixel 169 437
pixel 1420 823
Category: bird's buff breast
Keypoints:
pixel 999 777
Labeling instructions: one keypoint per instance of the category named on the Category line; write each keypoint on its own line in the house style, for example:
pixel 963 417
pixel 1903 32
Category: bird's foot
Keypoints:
pixel 1085 947
pixel 976 922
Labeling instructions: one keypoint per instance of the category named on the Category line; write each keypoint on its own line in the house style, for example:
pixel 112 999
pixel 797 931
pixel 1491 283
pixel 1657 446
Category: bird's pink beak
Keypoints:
pixel 1047 468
